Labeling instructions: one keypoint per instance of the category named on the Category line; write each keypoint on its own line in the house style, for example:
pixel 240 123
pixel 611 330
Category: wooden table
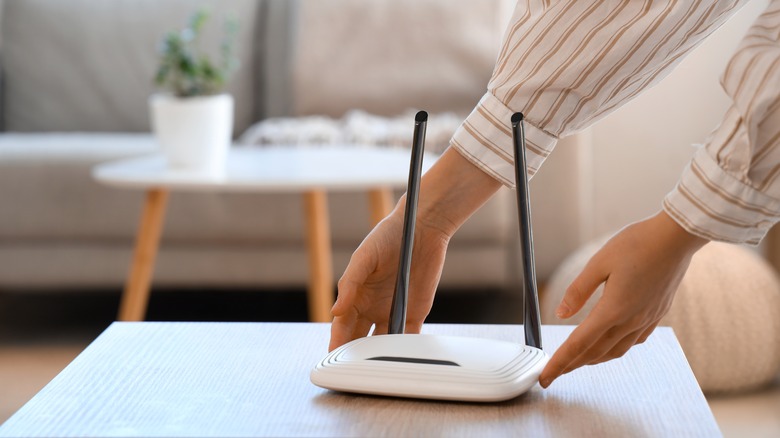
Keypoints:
pixel 310 171
pixel 251 379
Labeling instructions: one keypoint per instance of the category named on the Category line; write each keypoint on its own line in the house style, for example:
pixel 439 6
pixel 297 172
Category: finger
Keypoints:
pixel 581 289
pixel 647 333
pixel 613 344
pixel 413 327
pixel 356 273
pixel 585 335
pixel 362 327
pixel 341 330
pixel 622 347
pixel 603 345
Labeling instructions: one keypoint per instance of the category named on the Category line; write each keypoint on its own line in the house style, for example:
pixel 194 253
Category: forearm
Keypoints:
pixel 450 192
pixel 731 189
pixel 673 237
pixel 567 64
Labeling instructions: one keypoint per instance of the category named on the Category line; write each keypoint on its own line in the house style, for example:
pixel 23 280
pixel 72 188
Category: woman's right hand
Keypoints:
pixel 450 192
pixel 365 291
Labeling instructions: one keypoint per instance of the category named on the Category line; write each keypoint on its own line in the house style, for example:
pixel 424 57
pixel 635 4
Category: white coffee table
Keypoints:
pixel 162 379
pixel 310 171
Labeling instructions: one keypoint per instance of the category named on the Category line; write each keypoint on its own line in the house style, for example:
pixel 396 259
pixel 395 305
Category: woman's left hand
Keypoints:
pixel 641 268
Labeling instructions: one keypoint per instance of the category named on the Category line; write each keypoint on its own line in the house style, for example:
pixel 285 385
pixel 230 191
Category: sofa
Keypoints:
pixel 76 77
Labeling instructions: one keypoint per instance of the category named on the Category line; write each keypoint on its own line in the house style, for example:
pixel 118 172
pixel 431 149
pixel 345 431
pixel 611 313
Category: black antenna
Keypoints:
pixel 398 309
pixel 531 320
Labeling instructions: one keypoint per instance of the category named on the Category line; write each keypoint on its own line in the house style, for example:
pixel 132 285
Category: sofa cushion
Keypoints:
pixel 46 178
pixel 357 127
pixel 386 56
pixel 88 65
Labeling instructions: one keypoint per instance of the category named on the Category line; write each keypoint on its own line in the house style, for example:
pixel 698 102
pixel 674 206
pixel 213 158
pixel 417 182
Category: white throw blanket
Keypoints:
pixel 357 128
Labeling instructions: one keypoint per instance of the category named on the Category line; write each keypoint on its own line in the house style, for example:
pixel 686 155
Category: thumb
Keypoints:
pixel 581 289
pixel 361 264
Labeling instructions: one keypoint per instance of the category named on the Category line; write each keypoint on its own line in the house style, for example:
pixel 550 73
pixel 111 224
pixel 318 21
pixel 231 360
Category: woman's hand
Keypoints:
pixel 641 266
pixel 450 192
pixel 367 286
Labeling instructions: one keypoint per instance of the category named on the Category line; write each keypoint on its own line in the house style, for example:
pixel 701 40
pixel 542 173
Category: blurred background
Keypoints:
pixel 76 77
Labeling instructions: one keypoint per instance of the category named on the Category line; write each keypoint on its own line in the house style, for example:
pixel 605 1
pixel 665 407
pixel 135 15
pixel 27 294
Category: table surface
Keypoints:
pixel 252 379
pixel 276 169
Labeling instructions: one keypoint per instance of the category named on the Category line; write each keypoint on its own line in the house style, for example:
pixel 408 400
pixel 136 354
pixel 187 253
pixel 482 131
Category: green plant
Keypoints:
pixel 185 70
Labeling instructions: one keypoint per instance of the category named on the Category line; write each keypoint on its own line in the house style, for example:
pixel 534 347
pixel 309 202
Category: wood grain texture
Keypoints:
pixel 320 293
pixel 136 294
pixel 252 379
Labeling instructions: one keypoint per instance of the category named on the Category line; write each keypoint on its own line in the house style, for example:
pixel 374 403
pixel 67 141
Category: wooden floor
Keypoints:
pixel 40 334
pixel 25 369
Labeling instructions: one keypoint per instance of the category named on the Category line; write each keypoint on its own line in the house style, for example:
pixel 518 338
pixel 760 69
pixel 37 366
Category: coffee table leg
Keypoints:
pixel 380 203
pixel 320 293
pixel 136 295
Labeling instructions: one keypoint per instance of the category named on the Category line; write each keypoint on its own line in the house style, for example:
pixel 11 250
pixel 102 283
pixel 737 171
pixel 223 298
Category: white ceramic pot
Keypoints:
pixel 194 132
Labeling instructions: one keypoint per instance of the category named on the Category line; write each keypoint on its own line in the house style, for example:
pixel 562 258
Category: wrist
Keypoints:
pixel 676 235
pixel 450 192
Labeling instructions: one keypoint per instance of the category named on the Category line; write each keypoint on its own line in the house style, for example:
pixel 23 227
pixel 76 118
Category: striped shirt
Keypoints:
pixel 568 64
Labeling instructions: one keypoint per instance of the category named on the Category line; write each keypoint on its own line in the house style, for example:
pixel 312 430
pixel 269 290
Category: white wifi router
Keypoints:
pixel 434 366
pixel 431 366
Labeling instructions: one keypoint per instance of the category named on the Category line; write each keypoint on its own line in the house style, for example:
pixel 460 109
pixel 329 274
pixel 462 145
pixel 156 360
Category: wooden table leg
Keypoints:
pixel 380 203
pixel 320 293
pixel 136 295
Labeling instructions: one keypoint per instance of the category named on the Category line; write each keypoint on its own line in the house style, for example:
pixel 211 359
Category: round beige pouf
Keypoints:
pixel 726 314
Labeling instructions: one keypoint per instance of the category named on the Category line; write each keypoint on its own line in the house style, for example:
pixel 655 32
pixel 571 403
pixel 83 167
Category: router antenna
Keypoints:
pixel 531 320
pixel 398 309
pixel 435 366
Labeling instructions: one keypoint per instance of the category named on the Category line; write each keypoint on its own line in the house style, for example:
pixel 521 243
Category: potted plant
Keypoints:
pixel 193 118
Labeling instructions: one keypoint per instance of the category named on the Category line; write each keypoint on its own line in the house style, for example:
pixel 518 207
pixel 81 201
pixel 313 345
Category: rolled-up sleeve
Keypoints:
pixel 567 64
pixel 730 191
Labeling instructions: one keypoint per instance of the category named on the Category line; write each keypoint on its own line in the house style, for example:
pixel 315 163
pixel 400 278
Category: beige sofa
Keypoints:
pixel 76 76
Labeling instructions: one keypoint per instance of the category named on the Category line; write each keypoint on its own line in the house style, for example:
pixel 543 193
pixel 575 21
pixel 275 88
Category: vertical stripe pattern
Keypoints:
pixel 731 189
pixel 567 64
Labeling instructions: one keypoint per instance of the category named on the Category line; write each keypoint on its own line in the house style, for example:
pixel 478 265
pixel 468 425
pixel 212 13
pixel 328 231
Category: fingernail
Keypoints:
pixel 545 383
pixel 562 310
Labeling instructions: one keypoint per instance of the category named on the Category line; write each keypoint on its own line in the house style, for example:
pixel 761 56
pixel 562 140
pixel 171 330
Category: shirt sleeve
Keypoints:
pixel 730 190
pixel 567 64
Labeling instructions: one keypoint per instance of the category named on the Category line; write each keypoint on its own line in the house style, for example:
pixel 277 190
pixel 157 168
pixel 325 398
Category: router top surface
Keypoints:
pixel 473 354
pixel 430 366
